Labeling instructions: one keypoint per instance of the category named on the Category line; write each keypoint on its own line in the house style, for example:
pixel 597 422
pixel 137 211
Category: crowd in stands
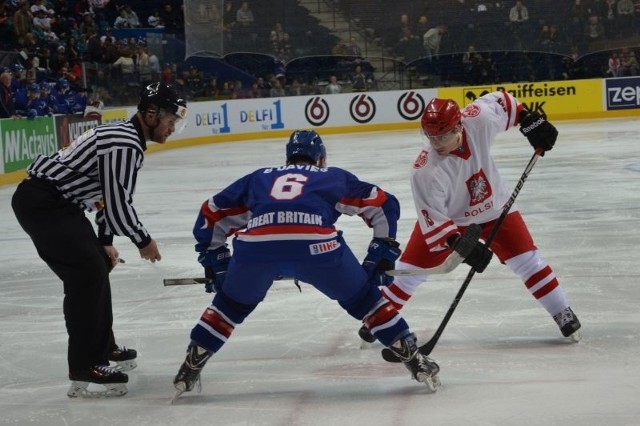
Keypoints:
pixel 515 40
pixel 71 45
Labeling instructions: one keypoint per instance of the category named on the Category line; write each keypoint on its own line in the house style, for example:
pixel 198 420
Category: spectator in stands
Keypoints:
pixel 295 89
pixel 238 91
pixel 333 87
pixel 244 16
pixel 44 61
pixel 94 46
pixel 339 49
pixel 405 38
pixel 519 19
pixel 226 91
pixel 422 25
pixel 7 102
pixel 263 87
pixel 353 49
pixel 254 91
pixel 72 72
pixel 154 20
pixel 193 82
pixel 613 66
pixel 169 17
pixel 629 63
pixel 63 94
pixel 22 20
pixel 626 14
pixel 609 17
pixel 472 66
pixel 83 8
pixel 88 22
pixel 359 80
pixel 245 36
pixel 142 63
pixel 48 100
pixel 58 57
pixel 274 42
pixel 432 40
pixel 78 101
pixel 125 64
pixel 18 82
pixel 31 72
pixel 210 89
pixel 121 20
pixel 108 34
pixel 228 14
pixel 277 91
pixel 72 51
pixel 166 75
pixel 154 65
pixel 594 30
pixel 228 24
pixel 5 22
pixel 110 51
pixel 31 106
pixel 131 16
pixel 519 13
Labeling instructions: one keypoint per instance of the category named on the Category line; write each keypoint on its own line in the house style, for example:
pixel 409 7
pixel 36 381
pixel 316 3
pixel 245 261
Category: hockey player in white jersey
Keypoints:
pixel 455 182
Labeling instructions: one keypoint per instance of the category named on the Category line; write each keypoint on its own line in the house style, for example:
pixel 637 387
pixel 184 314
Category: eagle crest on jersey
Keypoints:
pixel 479 188
pixel 421 161
pixel 471 111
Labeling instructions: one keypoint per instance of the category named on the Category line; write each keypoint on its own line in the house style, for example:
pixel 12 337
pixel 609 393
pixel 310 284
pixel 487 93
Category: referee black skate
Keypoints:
pixel 97 172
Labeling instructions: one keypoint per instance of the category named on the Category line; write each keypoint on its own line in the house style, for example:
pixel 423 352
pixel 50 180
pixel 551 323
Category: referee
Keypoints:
pixel 96 172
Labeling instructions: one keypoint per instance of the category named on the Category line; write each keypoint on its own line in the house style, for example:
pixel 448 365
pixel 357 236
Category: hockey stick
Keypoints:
pixel 199 280
pixel 426 349
pixel 452 261
pixel 185 281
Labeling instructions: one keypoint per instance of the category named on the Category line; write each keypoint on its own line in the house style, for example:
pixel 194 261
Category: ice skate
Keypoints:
pixel 423 369
pixel 124 358
pixel 112 382
pixel 188 376
pixel 367 337
pixel 569 324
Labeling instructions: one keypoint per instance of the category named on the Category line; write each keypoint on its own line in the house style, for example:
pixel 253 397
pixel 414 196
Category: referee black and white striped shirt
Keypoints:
pixel 98 172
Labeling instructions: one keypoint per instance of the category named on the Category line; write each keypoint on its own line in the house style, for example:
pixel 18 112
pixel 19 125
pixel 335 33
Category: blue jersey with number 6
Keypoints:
pixel 290 212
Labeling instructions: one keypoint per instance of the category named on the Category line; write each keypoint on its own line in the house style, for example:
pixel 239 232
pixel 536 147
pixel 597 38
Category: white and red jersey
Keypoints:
pixel 464 186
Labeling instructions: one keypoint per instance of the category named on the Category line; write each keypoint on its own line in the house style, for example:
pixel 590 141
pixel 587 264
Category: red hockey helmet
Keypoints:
pixel 440 116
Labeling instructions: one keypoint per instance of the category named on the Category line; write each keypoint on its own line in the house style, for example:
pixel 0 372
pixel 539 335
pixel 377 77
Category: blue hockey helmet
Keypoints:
pixel 307 144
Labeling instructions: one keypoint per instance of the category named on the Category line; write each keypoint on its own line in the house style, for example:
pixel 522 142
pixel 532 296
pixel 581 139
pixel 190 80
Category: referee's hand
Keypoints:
pixel 150 252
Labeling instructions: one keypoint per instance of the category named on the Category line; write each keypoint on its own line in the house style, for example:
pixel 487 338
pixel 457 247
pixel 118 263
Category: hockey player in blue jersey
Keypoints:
pixel 283 220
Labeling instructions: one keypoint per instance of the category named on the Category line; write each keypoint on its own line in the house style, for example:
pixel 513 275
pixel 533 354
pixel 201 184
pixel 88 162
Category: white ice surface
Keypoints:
pixel 296 360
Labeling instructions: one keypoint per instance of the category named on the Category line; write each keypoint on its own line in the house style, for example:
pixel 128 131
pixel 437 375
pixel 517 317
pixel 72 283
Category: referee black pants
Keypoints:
pixel 66 241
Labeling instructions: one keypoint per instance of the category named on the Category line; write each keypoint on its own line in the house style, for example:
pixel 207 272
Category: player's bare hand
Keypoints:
pixel 150 252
